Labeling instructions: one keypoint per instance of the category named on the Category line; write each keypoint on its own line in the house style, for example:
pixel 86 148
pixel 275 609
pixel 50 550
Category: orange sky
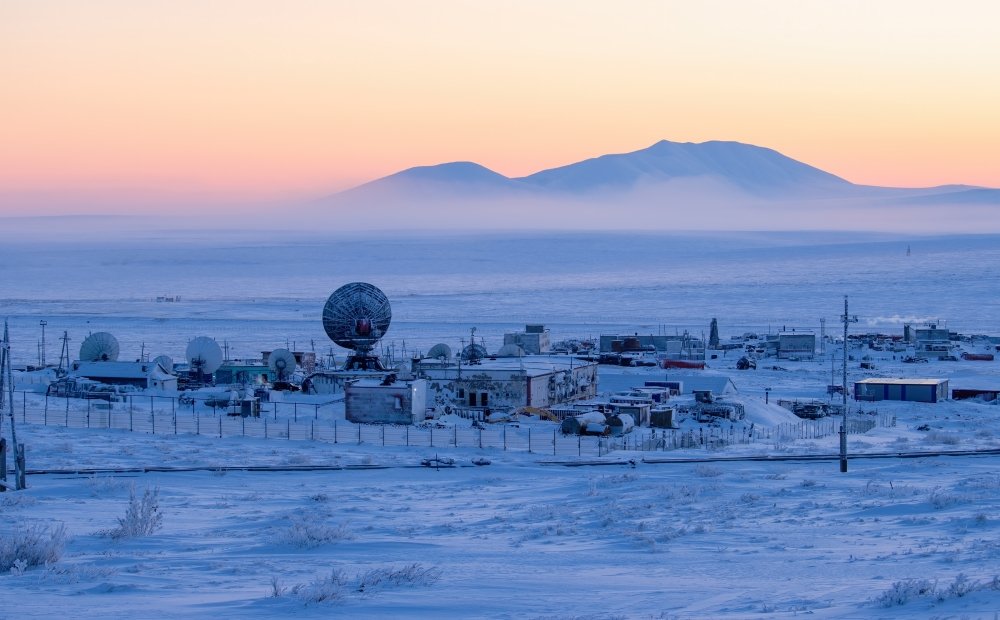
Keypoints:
pixel 180 101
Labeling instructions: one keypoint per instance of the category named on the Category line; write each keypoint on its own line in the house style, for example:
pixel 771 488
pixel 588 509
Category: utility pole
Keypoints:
pixel 847 319
pixel 7 386
pixel 63 353
pixel 41 356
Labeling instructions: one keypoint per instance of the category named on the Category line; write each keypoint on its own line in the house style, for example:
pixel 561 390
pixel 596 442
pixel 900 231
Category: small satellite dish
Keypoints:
pixel 99 347
pixel 440 351
pixel 165 361
pixel 282 362
pixel 204 355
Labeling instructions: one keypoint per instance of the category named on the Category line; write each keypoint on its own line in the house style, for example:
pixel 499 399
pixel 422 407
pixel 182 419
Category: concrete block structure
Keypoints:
pixel 385 401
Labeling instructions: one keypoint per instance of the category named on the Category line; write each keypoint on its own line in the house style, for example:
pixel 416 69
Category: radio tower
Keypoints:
pixel 846 319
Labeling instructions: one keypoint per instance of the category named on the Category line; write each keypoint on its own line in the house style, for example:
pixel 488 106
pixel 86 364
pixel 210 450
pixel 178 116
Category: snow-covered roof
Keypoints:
pixel 897 381
pixel 717 384
pixel 121 370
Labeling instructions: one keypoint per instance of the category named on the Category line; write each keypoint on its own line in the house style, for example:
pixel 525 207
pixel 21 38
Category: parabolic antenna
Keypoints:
pixel 282 362
pixel 356 316
pixel 204 355
pixel 474 352
pixel 440 351
pixel 165 361
pixel 99 347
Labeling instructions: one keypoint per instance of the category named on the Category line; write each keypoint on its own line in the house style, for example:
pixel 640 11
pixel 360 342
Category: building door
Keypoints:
pixel 484 399
pixel 472 399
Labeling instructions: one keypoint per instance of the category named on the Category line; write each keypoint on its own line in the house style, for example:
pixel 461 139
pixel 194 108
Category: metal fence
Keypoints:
pixel 288 422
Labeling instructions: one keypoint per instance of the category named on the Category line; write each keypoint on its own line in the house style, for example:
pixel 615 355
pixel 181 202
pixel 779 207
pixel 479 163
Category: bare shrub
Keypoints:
pixel 142 516
pixel 941 499
pixel 327 589
pixel 336 586
pixel 902 592
pixel 942 437
pixel 306 533
pixel 707 471
pixel 405 576
pixel 25 546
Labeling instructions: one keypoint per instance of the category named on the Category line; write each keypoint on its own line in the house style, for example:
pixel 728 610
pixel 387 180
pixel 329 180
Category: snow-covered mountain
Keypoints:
pixel 669 185
pixel 752 168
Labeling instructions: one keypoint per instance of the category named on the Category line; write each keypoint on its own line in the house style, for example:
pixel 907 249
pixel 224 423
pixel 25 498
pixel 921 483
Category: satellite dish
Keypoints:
pixel 204 355
pixel 356 316
pixel 282 362
pixel 510 350
pixel 440 351
pixel 99 347
pixel 474 352
pixel 165 361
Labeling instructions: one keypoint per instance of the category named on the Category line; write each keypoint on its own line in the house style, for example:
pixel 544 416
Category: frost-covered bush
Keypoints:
pixel 941 437
pixel 142 516
pixel 707 471
pixel 23 546
pixel 941 499
pixel 306 533
pixel 337 586
pixel 904 591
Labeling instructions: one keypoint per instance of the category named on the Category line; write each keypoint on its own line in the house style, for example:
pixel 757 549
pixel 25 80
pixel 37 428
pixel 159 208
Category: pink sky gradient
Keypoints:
pixel 113 105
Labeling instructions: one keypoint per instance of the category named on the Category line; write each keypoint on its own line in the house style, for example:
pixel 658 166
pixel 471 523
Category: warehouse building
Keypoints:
pixel 144 375
pixel 912 390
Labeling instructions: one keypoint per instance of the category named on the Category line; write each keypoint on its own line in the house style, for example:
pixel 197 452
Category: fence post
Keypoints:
pixel 480 438
pixel 312 430
pixel 88 417
pixel 3 463
pixel 153 417
pixel 24 407
pixel 295 411
pixel 315 412
pixel 432 436
pixel 244 421
pixel 151 404
pixel 131 427
pixel 505 437
pixel 553 443
pixel 334 431
pixel 456 435
pixel 359 434
pixel 529 440
pixel 220 427
pixel 265 426
pixel 407 436
pixel 288 429
pixel 45 416
pixel 579 445
pixel 175 422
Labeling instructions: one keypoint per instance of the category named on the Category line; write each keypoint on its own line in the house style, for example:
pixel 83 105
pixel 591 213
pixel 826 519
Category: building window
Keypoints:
pixel 484 399
pixel 461 392
pixel 399 403
pixel 472 399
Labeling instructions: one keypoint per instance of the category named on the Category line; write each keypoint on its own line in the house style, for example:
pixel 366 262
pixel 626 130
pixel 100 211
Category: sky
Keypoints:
pixel 123 106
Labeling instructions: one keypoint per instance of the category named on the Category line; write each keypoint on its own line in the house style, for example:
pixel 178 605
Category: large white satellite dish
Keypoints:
pixel 99 347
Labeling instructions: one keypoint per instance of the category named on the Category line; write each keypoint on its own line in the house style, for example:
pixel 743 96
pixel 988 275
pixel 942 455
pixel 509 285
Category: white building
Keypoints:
pixel 144 375
pixel 509 383
pixel 534 340
pixel 796 345
pixel 386 401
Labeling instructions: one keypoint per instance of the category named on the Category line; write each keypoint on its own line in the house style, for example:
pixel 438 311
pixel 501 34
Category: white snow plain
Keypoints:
pixel 521 537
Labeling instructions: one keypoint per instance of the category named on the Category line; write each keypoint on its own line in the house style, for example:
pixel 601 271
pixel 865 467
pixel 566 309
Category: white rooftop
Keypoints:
pixel 900 381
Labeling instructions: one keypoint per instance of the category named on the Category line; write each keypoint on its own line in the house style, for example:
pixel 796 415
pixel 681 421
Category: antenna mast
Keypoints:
pixel 846 319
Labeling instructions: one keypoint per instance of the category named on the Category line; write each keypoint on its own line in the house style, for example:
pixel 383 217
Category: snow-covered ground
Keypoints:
pixel 364 530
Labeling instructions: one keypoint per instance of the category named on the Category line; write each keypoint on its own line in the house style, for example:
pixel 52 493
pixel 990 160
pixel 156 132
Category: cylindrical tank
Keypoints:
pixel 631 343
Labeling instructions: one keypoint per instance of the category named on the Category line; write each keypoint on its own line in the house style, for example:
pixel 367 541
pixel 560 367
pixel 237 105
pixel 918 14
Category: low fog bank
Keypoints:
pixel 691 205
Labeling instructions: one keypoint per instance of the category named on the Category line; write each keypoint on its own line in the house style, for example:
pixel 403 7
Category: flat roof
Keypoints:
pixel 532 365
pixel 895 381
